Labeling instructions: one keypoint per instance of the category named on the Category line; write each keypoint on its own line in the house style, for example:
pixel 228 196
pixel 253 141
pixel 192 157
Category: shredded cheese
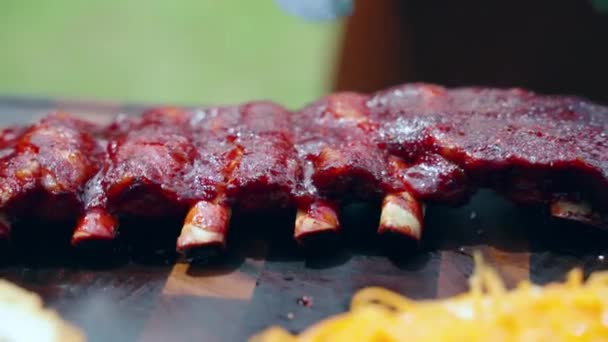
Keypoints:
pixel 571 311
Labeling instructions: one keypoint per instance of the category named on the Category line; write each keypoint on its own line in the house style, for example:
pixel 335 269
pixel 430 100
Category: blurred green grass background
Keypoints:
pixel 159 51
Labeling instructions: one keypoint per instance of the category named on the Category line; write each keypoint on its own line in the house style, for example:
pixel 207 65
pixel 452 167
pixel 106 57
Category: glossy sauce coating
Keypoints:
pixel 439 144
pixel 45 169
pixel 268 170
pixel 525 145
pixel 334 139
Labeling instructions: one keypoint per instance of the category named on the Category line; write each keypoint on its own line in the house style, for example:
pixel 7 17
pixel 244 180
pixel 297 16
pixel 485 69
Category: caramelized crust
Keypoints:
pixel 411 143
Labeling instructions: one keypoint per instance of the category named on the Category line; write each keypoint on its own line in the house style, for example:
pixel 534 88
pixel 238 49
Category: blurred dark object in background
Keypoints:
pixel 317 10
pixel 548 46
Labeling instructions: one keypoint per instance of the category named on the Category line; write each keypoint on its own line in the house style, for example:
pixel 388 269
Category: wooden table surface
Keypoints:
pixel 140 292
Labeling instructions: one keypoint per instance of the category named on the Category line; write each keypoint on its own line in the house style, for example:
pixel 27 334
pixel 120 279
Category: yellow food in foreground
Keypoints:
pixel 23 317
pixel 570 311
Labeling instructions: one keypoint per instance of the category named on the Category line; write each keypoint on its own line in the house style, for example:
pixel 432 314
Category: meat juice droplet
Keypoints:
pixel 305 301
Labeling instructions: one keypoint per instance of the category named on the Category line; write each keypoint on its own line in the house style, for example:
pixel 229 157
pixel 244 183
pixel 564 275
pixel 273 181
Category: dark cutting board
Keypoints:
pixel 148 295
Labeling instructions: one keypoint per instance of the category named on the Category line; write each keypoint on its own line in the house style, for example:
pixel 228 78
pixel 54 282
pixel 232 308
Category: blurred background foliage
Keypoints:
pixel 159 51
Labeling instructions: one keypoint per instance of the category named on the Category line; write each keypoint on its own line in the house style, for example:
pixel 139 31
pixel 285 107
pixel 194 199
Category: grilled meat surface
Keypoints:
pixel 402 146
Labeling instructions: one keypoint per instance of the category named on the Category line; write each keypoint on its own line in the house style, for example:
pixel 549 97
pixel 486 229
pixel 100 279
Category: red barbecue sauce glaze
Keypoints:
pixel 440 144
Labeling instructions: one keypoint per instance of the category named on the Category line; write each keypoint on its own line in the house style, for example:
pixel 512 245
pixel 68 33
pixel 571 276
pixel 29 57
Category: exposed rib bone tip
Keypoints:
pixel 95 225
pixel 194 236
pixel 5 227
pixel 205 225
pixel 564 208
pixel 575 211
pixel 317 217
pixel 401 214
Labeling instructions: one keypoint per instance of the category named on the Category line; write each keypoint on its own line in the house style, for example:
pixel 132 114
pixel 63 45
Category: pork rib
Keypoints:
pixel 44 168
pixel 400 147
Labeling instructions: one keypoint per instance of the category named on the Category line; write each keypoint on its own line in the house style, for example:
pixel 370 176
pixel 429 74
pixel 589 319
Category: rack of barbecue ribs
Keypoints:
pixel 402 147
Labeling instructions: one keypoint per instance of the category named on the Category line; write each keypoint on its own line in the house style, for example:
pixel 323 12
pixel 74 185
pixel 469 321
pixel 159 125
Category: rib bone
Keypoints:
pixel 401 214
pixel 97 224
pixel 205 225
pixel 5 227
pixel 580 211
pixel 317 217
